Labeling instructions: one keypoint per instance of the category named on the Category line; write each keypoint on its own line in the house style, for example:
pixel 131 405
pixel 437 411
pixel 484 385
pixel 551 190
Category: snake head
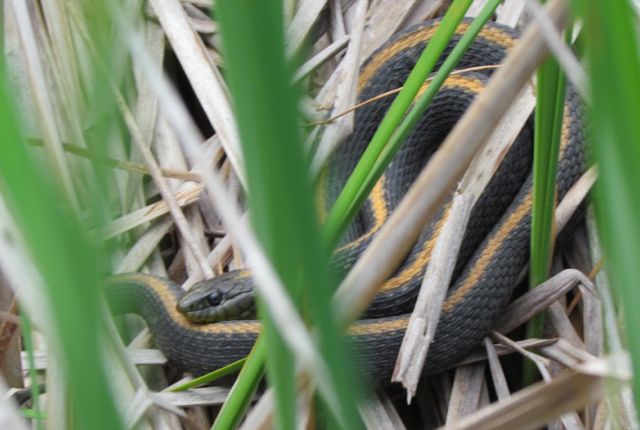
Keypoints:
pixel 225 297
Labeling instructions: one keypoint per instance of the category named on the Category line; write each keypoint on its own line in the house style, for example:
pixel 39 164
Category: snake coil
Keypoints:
pixel 494 249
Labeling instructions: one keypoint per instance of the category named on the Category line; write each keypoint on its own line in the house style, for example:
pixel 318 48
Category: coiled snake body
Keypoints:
pixel 494 249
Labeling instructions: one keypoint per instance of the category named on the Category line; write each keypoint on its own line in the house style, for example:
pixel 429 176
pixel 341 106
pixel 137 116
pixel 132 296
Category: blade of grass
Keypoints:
pixel 280 193
pixel 551 85
pixel 238 399
pixel 227 370
pixel 358 186
pixel 548 126
pixel 69 266
pixel 612 52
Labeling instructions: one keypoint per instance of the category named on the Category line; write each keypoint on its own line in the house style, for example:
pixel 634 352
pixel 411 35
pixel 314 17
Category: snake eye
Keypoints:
pixel 214 298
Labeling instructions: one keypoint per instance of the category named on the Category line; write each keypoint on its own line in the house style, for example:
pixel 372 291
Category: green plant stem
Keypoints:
pixel 33 414
pixel 227 370
pixel 549 114
pixel 611 43
pixel 243 389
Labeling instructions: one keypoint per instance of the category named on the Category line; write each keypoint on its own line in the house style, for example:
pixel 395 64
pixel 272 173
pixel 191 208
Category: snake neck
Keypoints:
pixel 197 348
pixel 151 298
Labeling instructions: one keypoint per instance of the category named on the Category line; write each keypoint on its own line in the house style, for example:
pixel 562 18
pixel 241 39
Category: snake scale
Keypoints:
pixel 494 249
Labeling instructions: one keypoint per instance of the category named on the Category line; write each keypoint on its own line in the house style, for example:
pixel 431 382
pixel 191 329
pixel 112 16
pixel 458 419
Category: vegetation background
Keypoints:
pixel 106 168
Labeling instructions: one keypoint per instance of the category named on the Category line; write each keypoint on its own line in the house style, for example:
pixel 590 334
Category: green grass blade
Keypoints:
pixel 280 191
pixel 227 370
pixel 348 203
pixel 69 266
pixel 551 89
pixel 611 43
pixel 548 127
pixel 245 386
pixel 33 414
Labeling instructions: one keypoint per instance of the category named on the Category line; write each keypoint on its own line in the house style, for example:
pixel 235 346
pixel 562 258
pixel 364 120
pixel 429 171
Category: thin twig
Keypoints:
pixel 123 165
pixel 497 373
pixel 396 91
pixel 541 363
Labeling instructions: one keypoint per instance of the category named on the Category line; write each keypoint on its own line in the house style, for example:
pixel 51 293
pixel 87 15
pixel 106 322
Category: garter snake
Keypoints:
pixel 494 249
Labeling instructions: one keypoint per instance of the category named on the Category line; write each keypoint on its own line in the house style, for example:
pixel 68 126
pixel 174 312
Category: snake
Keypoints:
pixel 213 324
